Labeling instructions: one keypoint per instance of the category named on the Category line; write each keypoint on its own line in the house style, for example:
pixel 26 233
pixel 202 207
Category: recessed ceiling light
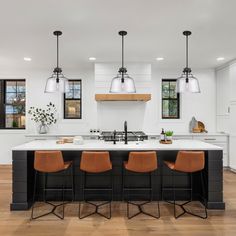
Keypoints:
pixel 27 59
pixel 92 58
pixel 159 58
pixel 220 58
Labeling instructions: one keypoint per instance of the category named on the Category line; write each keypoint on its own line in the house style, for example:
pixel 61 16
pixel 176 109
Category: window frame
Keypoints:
pixel 3 83
pixel 170 99
pixel 73 99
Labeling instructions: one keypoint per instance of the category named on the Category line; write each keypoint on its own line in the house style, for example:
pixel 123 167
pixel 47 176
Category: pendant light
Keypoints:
pixel 122 83
pixel 187 82
pixel 57 82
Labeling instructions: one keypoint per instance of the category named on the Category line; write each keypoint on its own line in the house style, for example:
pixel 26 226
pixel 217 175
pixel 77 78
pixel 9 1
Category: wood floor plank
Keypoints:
pixel 18 224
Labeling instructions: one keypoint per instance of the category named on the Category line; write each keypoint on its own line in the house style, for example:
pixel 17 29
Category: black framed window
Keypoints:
pixel 12 104
pixel 170 100
pixel 73 100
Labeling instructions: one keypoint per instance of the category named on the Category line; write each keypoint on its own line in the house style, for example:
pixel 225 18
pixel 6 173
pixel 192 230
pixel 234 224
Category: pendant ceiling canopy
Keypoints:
pixel 187 82
pixel 57 82
pixel 122 83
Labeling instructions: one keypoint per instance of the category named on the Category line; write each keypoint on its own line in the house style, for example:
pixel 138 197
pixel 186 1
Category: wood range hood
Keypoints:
pixel 123 97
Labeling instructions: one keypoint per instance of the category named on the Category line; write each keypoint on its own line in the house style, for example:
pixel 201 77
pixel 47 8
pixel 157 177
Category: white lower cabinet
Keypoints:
pixel 232 162
pixel 218 140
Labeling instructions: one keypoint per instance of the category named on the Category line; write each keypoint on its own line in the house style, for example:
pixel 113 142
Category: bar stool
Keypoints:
pixel 96 163
pixel 140 162
pixel 187 162
pixel 48 162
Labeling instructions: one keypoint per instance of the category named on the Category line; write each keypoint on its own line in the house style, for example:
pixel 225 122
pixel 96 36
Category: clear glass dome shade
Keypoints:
pixel 53 86
pixel 192 86
pixel 127 86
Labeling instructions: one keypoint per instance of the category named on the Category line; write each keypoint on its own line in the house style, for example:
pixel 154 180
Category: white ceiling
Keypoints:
pixel 90 28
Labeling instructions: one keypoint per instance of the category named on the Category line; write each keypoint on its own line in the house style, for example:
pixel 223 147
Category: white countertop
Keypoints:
pixel 193 134
pixel 97 134
pixel 101 145
pixel 61 135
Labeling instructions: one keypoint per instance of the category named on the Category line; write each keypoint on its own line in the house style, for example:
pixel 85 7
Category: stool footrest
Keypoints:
pixel 137 189
pixel 177 189
pixel 185 211
pixel 103 189
pixel 141 210
pixel 58 189
pixel 52 211
pixel 96 209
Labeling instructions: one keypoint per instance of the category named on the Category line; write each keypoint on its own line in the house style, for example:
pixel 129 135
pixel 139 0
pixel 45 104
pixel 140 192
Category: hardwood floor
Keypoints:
pixel 18 224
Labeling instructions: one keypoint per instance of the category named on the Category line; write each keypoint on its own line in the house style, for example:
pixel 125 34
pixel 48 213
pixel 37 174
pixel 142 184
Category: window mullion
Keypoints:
pixel 169 101
pixel 2 103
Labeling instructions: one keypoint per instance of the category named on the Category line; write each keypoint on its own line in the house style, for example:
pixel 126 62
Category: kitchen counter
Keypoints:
pixel 50 135
pixel 193 134
pixel 119 146
pixel 23 170
pixel 88 134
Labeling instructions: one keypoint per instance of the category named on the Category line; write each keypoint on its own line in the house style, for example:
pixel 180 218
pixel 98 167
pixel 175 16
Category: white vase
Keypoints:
pixel 42 128
pixel 169 138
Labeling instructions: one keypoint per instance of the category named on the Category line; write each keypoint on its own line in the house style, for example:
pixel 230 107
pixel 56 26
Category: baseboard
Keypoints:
pixel 232 170
pixel 5 165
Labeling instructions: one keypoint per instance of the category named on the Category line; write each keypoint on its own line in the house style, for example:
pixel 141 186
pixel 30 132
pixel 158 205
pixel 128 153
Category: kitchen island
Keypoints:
pixel 23 171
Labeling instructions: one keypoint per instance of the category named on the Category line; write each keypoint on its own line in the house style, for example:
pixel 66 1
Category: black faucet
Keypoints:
pixel 114 137
pixel 125 129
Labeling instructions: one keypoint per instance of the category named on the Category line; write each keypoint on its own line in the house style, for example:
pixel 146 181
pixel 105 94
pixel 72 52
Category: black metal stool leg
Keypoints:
pixel 54 207
pixel 63 201
pixel 204 195
pixel 204 198
pixel 182 206
pixel 34 193
pixel 72 183
pixel 93 204
pixel 83 194
pixel 140 205
pixel 173 186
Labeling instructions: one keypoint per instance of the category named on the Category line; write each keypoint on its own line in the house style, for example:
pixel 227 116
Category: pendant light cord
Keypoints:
pixel 57 50
pixel 187 69
pixel 122 69
pixel 186 51
pixel 122 59
pixel 57 79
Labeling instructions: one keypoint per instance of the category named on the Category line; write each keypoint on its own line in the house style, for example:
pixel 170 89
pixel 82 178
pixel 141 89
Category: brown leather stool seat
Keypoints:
pixel 140 162
pixel 48 162
pixel 187 162
pixel 96 163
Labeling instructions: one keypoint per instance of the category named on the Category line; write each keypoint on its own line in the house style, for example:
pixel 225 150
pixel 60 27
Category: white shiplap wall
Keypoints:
pixel 111 115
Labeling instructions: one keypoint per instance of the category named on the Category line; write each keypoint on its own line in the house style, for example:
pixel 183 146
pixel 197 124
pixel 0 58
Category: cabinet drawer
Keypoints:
pixel 212 139
pixel 182 137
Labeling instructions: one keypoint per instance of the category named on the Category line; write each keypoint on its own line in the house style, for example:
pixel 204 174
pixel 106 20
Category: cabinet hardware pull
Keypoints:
pixel 209 139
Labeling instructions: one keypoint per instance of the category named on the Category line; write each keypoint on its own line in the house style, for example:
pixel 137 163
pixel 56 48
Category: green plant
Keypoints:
pixel 169 133
pixel 14 124
pixel 45 116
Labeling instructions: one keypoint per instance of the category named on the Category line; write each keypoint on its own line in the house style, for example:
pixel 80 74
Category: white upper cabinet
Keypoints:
pixel 232 77
pixel 223 90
